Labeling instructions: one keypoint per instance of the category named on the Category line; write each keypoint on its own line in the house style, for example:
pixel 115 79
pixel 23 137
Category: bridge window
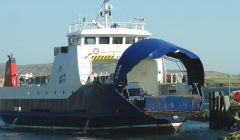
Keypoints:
pixel 117 40
pixel 130 40
pixel 141 38
pixel 77 41
pixel 104 40
pixel 70 41
pixel 90 40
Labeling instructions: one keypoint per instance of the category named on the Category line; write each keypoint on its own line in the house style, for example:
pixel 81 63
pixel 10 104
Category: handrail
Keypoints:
pixel 90 25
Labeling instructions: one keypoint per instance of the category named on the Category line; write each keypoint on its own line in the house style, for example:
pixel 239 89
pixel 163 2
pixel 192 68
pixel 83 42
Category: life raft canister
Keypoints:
pixel 237 96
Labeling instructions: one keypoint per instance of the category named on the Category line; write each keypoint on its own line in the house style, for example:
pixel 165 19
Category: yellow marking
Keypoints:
pixel 102 57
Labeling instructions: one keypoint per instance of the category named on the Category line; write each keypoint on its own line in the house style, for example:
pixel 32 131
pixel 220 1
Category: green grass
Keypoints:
pixel 220 79
pixel 35 69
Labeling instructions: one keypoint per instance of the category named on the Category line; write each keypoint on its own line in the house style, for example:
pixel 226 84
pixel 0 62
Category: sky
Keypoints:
pixel 30 29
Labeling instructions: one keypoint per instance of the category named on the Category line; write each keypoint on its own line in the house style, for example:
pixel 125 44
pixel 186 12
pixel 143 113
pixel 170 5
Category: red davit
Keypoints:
pixel 11 77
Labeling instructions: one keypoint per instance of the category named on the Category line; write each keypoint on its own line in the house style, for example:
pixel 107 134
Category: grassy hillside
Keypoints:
pixel 2 69
pixel 213 78
pixel 36 69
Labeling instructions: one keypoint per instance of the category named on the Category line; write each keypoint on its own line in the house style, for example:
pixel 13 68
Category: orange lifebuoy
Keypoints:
pixel 95 51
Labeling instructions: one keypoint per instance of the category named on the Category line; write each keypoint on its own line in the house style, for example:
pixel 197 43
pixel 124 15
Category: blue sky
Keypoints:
pixel 30 29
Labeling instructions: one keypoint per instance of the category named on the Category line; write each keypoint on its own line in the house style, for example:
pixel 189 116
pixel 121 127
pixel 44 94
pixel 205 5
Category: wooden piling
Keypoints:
pixel 211 108
pixel 218 110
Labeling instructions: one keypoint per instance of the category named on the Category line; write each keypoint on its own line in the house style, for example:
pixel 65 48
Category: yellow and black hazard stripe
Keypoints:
pixel 102 57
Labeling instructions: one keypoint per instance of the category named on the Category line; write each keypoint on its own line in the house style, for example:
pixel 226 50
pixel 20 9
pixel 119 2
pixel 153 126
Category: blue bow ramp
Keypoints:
pixel 154 49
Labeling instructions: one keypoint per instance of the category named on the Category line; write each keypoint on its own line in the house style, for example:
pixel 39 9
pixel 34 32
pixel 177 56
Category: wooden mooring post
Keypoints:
pixel 218 110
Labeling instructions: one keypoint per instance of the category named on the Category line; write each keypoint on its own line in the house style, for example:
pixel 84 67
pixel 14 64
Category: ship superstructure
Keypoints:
pixel 102 41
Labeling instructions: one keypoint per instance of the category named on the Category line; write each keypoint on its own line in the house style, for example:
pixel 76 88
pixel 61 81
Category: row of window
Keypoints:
pixel 103 40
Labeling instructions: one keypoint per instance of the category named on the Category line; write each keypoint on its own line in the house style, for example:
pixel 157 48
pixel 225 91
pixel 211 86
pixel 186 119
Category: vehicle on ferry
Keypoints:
pixel 111 77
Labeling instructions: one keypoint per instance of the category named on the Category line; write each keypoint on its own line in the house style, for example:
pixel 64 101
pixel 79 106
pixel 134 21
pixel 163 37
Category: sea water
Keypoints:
pixel 191 130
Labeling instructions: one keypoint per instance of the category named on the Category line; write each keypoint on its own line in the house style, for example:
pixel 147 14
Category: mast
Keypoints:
pixel 105 12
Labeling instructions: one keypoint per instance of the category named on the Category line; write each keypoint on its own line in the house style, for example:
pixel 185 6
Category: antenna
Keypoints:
pixel 105 11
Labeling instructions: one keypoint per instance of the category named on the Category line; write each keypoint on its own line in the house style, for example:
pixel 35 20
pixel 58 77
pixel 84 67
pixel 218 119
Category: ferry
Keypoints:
pixel 111 77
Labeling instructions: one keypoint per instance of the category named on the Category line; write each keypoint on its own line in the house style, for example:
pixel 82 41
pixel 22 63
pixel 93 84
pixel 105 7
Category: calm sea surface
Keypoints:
pixel 190 130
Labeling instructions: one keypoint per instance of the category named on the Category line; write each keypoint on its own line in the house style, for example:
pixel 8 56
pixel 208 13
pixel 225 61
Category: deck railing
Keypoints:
pixel 139 25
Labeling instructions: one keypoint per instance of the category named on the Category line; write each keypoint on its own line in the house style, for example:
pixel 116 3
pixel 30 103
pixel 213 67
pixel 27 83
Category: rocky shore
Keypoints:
pixel 204 117
pixel 232 136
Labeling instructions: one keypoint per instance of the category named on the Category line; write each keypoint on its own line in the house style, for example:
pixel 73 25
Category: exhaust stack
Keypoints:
pixel 11 77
